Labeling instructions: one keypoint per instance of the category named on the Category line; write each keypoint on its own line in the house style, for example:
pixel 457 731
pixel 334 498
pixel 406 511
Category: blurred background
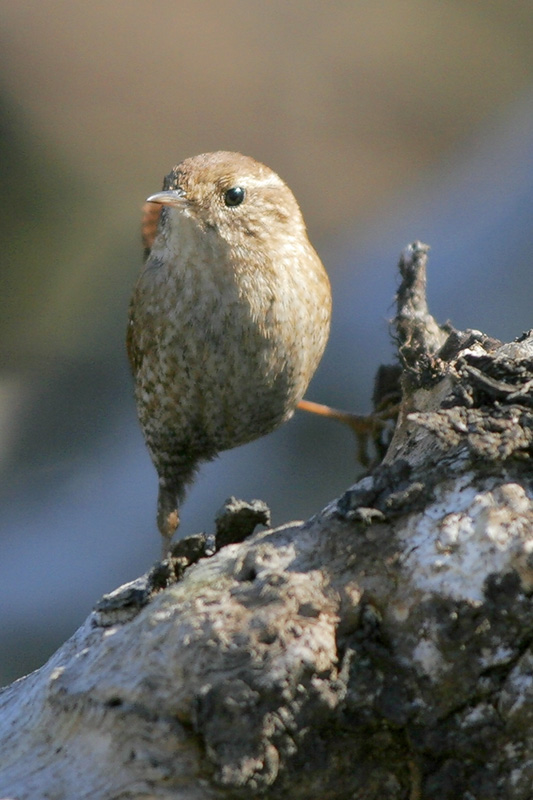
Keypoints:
pixel 390 121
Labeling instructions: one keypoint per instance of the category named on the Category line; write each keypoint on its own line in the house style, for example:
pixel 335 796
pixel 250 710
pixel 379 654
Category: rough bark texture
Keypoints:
pixel 383 649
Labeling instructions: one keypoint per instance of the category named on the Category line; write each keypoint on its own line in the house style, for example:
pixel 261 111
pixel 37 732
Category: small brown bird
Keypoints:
pixel 228 320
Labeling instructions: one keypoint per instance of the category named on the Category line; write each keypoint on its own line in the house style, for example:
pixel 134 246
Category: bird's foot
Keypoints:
pixel 364 426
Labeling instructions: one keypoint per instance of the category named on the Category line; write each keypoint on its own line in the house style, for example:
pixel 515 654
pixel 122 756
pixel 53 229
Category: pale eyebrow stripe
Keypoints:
pixel 270 180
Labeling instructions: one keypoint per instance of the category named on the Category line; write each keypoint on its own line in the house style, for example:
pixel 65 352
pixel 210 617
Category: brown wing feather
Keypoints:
pixel 134 355
pixel 149 223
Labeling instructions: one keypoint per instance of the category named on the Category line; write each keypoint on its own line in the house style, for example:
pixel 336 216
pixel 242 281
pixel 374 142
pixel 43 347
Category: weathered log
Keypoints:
pixel 382 649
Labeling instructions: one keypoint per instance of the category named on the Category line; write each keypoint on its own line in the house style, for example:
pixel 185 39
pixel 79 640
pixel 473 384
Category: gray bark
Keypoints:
pixel 382 649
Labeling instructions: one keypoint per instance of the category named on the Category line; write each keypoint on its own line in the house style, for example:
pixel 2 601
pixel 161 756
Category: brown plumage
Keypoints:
pixel 229 317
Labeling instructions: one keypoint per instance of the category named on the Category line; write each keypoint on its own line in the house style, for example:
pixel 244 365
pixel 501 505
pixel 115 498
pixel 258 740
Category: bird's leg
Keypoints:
pixel 167 515
pixel 359 423
pixel 363 425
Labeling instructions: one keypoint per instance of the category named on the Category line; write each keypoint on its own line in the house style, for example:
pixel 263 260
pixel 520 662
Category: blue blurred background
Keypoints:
pixel 390 121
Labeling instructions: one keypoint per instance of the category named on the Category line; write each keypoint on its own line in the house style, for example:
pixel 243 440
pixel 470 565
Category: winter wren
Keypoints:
pixel 228 320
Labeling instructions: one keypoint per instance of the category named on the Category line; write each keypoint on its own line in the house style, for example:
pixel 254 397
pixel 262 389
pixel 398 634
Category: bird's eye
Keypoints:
pixel 234 196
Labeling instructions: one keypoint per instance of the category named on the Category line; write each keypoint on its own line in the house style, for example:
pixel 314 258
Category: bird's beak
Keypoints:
pixel 173 197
